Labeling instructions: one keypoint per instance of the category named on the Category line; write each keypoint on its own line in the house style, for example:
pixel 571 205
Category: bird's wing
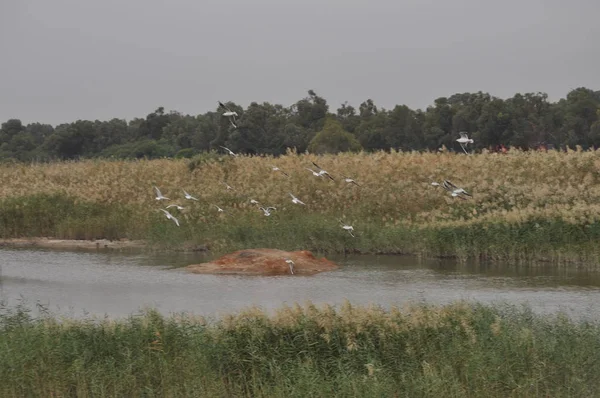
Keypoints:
pixel 157 191
pixel 284 173
pixel 447 182
pixel 221 105
pixel 317 166
pixel 176 221
pixel 463 134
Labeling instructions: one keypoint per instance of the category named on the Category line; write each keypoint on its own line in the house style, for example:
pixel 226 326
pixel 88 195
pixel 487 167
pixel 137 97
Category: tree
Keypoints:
pixel 333 139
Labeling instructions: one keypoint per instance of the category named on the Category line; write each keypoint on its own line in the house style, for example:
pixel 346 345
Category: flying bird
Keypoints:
pixel 296 200
pixel 254 202
pixel 188 196
pixel 275 168
pixel 219 209
pixel 231 115
pixel 313 172
pixel 322 171
pixel 227 185
pixel 351 181
pixel 291 264
pixel 159 195
pixel 176 206
pixel 454 190
pixel 170 216
pixel 464 140
pixel 268 210
pixel 348 228
pixel 229 151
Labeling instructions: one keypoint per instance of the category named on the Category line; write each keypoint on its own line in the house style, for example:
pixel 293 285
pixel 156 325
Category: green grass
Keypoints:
pixel 63 217
pixel 458 350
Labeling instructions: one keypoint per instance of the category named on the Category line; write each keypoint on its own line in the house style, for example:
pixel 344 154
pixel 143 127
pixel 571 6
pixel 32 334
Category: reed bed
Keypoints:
pixel 456 350
pixel 525 205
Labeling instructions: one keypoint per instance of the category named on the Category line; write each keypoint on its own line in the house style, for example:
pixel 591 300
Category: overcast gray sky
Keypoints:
pixel 63 60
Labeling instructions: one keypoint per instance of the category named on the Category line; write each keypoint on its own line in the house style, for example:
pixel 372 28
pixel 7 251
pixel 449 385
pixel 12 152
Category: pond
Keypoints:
pixel 82 284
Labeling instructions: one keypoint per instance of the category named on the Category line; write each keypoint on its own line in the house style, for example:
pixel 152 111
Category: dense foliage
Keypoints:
pixel 458 350
pixel 525 121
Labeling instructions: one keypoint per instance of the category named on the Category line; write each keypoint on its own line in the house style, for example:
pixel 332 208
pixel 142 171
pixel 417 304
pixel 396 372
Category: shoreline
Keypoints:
pixel 74 244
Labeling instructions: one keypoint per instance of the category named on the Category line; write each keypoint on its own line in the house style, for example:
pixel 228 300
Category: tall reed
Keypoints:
pixel 525 205
pixel 457 350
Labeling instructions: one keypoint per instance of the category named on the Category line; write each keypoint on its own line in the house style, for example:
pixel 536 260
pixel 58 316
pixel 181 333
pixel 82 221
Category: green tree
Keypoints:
pixel 333 139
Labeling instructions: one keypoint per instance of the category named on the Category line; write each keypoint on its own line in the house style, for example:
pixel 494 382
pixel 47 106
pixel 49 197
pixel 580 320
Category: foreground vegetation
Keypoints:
pixel 419 351
pixel 525 205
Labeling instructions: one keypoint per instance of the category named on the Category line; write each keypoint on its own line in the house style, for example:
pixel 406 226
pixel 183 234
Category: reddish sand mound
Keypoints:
pixel 264 262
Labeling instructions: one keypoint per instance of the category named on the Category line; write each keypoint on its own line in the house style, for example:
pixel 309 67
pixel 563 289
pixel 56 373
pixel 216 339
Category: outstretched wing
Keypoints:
pixel 221 105
pixel 316 165
pixel 463 135
pixel 157 191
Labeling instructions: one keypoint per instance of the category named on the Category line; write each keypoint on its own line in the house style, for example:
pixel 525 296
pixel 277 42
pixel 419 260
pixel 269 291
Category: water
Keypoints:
pixel 79 284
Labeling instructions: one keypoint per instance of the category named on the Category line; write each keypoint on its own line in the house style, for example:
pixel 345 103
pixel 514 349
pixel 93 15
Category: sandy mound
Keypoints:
pixel 264 262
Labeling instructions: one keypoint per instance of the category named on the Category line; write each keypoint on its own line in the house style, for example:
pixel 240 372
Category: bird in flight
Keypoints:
pixel 231 115
pixel 227 185
pixel 296 200
pixel 229 150
pixel 275 168
pixel 176 206
pixel 348 228
pixel 464 140
pixel 188 196
pixel 351 181
pixel 219 209
pixel 455 191
pixel 313 172
pixel 170 216
pixel 322 172
pixel 159 195
pixel 268 210
pixel 291 264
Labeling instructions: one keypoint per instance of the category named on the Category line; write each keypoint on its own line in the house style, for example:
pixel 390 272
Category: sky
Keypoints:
pixel 64 60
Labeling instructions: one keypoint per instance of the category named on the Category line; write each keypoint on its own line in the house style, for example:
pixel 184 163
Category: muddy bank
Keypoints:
pixel 74 244
pixel 265 262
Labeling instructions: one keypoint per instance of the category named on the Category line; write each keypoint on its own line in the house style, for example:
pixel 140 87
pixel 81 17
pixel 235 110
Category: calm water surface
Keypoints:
pixel 80 284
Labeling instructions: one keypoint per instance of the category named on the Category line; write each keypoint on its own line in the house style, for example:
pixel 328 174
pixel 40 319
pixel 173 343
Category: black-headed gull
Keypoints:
pixel 227 185
pixel 188 196
pixel 229 151
pixel 231 115
pixel 348 228
pixel 464 140
pixel 219 209
pixel 268 210
pixel 351 181
pixel 291 264
pixel 313 172
pixel 254 202
pixel 176 206
pixel 454 190
pixel 170 216
pixel 296 200
pixel 322 171
pixel 159 195
pixel 275 168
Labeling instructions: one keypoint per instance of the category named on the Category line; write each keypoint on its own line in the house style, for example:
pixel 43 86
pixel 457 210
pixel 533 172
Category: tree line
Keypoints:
pixel 527 121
